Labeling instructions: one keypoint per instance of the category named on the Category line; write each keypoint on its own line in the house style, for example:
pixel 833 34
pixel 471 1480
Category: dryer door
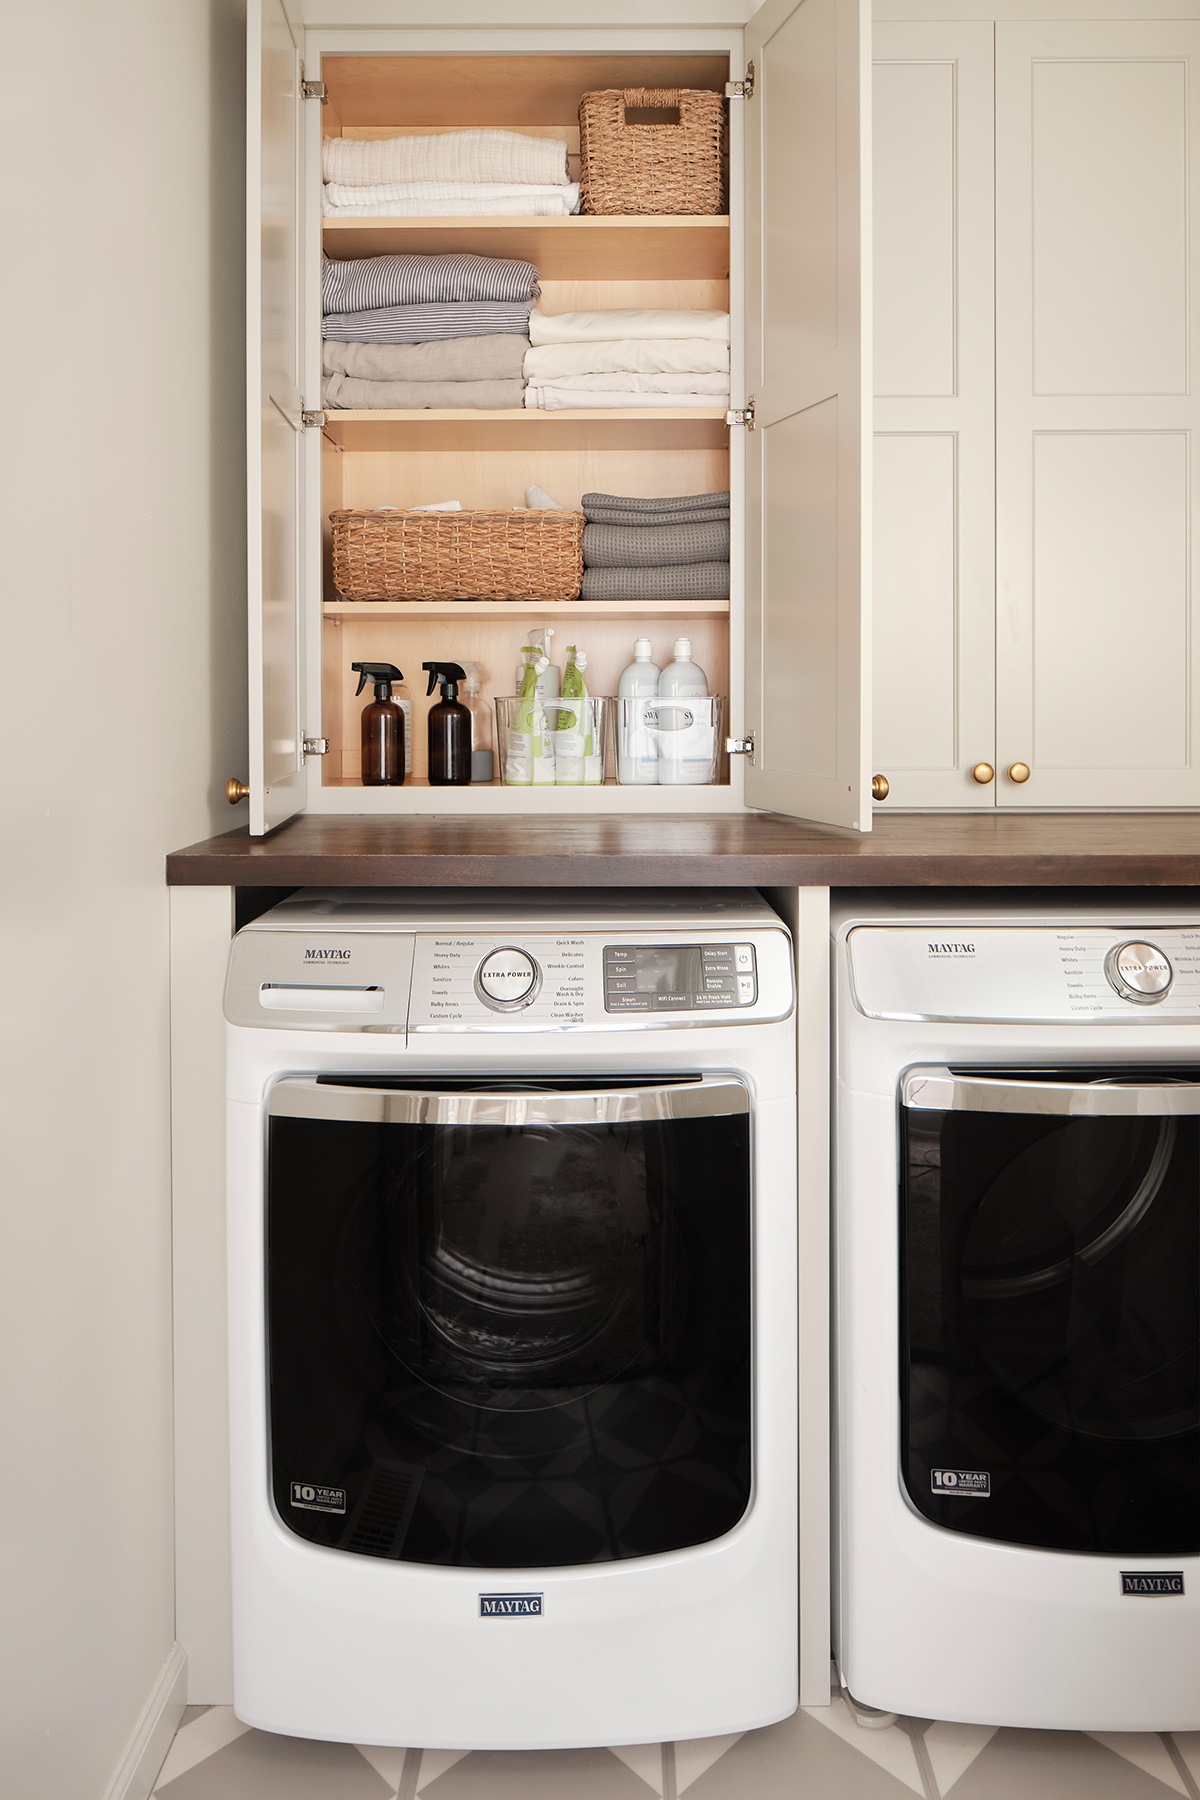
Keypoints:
pixel 509 1322
pixel 1050 1287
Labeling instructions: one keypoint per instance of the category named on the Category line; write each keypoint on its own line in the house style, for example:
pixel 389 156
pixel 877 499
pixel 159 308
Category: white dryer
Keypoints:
pixel 512 1304
pixel 1018 1306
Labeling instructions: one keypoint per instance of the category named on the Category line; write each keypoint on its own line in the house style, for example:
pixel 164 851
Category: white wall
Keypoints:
pixel 123 681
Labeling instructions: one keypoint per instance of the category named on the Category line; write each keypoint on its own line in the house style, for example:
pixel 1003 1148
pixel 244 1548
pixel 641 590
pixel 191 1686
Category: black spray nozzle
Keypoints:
pixel 382 674
pixel 447 675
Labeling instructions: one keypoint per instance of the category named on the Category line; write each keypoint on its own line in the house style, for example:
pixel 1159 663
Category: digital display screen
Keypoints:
pixel 678 977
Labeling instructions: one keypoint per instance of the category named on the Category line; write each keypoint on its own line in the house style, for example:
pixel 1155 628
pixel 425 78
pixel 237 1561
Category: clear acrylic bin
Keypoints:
pixel 670 743
pixel 571 752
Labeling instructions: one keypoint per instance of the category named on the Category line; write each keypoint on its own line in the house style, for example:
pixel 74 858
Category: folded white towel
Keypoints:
pixel 565 399
pixel 475 155
pixel 627 322
pixel 542 206
pixel 540 501
pixel 647 356
pixel 625 381
pixel 412 195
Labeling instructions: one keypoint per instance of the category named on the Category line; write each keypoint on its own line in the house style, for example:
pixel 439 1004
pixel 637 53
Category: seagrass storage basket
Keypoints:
pixel 629 166
pixel 519 555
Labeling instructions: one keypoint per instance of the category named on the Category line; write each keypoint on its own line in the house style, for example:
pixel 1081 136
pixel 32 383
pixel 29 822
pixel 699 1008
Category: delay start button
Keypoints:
pixel 508 979
pixel 1139 972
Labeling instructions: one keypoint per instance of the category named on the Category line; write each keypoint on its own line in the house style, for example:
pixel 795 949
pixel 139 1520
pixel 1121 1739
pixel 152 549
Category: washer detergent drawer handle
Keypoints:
pixel 306 1098
pixel 286 996
pixel 942 1090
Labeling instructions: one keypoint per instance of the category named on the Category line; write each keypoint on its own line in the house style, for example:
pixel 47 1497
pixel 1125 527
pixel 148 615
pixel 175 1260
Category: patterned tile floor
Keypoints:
pixel 820 1753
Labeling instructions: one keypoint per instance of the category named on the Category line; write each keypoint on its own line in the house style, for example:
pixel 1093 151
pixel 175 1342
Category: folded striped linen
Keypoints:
pixel 562 399
pixel 508 157
pixel 602 506
pixel 496 358
pixel 366 282
pixel 627 322
pixel 679 581
pixel 540 206
pixel 654 546
pixel 618 381
pixel 409 199
pixel 346 390
pixel 641 356
pixel 424 324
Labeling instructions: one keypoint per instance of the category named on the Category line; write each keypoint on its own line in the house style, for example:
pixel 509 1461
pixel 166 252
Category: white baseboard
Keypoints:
pixel 151 1737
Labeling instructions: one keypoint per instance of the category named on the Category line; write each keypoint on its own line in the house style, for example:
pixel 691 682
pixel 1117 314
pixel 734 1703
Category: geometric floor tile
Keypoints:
pixel 262 1766
pixel 890 1746
pixel 537 1775
pixel 1187 1743
pixel 1145 1750
pixel 388 1762
pixel 199 1738
pixel 698 1754
pixel 952 1749
pixel 435 1763
pixel 1068 1765
pixel 646 1761
pixel 801 1757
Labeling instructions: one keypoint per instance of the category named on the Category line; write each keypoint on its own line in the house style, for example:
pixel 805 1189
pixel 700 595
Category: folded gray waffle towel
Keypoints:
pixel 648 521
pixel 653 546
pixel 602 507
pixel 679 581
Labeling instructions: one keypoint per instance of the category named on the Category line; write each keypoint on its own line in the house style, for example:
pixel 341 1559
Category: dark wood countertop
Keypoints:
pixel 731 850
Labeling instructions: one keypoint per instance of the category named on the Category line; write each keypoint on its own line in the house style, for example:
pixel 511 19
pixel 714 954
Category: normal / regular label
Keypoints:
pixel 966 1484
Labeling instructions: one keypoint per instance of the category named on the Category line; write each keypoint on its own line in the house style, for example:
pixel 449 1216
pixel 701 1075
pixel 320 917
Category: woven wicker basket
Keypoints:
pixel 520 555
pixel 630 168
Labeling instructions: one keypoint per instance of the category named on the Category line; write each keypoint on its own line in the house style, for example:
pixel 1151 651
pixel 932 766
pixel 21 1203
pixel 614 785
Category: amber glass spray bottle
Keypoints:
pixel 382 727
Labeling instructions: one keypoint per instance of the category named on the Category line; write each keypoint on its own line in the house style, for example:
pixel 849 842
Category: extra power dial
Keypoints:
pixel 1140 972
pixel 508 979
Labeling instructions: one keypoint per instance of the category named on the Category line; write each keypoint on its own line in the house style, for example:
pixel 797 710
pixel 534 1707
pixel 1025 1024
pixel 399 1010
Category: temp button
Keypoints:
pixel 508 979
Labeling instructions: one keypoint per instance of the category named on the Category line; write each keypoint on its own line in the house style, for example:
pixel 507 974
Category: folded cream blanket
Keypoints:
pixel 654 546
pixel 566 399
pixel 370 281
pixel 345 390
pixel 424 324
pixel 627 322
pixel 412 196
pixel 615 381
pixel 448 359
pixel 502 156
pixel 541 206
pixel 638 356
pixel 680 581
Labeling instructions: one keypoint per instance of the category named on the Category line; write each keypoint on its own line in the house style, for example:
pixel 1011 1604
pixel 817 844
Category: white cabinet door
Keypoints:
pixel 934 479
pixel 274 433
pixel 808 492
pixel 1098 234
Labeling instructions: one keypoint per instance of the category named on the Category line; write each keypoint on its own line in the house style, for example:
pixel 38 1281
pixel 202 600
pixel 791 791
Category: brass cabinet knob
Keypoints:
pixel 235 791
pixel 1018 772
pixel 880 787
pixel 983 773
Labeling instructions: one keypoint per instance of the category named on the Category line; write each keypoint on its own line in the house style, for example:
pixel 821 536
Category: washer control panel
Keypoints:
pixel 678 977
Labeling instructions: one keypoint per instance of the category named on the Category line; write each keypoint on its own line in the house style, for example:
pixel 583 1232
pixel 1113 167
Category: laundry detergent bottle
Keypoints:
pixel 383 734
pixel 637 746
pixel 449 728
pixel 573 735
pixel 685 734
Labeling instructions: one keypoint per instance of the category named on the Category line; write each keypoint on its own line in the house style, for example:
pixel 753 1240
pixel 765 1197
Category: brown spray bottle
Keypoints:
pixel 382 727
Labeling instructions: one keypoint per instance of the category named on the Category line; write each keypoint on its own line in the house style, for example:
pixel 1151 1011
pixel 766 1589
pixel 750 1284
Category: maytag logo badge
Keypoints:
pixel 324 956
pixel 1148 1582
pixel 510 1606
pixel 951 949
pixel 311 1498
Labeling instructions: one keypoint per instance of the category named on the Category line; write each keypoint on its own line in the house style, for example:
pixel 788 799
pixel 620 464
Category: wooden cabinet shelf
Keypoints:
pixel 464 428
pixel 611 248
pixel 630 610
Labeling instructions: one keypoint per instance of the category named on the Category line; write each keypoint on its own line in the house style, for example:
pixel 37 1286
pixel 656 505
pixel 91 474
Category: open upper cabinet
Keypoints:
pixel 788 649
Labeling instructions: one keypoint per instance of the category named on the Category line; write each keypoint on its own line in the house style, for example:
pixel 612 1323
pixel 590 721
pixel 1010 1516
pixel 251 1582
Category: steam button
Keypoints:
pixel 508 979
pixel 1139 972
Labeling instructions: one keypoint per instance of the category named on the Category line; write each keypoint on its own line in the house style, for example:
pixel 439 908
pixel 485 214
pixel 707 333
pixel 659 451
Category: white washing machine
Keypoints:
pixel 512 1303
pixel 1018 1291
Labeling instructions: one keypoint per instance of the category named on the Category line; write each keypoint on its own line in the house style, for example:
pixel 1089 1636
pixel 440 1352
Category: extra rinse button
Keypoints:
pixel 508 979
pixel 1140 972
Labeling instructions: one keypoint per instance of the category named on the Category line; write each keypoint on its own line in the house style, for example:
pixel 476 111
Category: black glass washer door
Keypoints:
pixel 509 1329
pixel 1050 1289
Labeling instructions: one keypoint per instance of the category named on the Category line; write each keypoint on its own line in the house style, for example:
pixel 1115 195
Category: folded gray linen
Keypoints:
pixel 679 581
pixel 601 506
pixel 642 522
pixel 424 324
pixel 495 358
pixel 653 546
pixel 346 390
pixel 367 282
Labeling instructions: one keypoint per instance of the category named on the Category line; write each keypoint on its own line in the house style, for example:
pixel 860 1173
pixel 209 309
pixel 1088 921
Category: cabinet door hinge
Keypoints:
pixel 314 746
pixel 743 746
pixel 742 415
pixel 312 420
pixel 741 90
pixel 315 90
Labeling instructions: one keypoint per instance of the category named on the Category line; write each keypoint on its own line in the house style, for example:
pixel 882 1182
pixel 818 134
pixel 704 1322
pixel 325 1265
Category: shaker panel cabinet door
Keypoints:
pixel 934 478
pixel 808 351
pixel 274 405
pixel 1098 235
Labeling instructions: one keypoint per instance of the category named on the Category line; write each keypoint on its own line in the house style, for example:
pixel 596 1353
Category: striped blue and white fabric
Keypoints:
pixel 427 324
pixel 369 282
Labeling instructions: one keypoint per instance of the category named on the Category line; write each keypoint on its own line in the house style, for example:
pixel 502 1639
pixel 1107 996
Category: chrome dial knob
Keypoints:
pixel 508 979
pixel 1140 972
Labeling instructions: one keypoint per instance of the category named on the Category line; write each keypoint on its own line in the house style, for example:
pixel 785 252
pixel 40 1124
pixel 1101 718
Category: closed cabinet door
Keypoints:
pixel 934 479
pixel 1096 298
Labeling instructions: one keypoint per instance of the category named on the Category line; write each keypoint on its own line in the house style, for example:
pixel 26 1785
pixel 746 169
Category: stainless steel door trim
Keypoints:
pixel 940 1090
pixel 306 1098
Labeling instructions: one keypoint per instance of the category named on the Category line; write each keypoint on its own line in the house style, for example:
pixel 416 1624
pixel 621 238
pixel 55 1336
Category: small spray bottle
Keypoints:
pixel 382 727
pixel 449 728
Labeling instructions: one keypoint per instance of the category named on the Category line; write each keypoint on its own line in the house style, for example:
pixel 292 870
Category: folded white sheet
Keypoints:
pixel 646 356
pixel 342 194
pixel 566 399
pixel 627 322
pixel 626 381
pixel 540 206
pixel 475 155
